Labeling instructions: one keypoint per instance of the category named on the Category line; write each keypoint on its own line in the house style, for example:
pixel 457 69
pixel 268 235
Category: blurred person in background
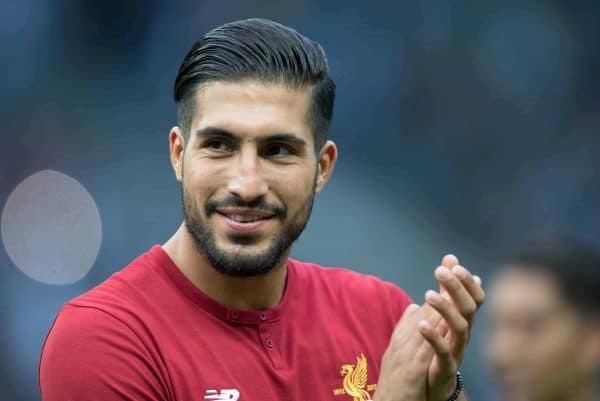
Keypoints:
pixel 544 338
pixel 219 312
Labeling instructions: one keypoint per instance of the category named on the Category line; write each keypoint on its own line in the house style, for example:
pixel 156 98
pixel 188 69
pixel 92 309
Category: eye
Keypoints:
pixel 278 150
pixel 217 145
pixel 534 324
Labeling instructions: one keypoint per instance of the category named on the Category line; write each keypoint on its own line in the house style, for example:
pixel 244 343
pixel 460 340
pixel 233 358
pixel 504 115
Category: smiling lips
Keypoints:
pixel 244 220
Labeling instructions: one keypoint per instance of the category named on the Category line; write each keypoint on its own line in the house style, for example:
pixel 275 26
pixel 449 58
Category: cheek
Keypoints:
pixel 555 356
pixel 200 179
pixel 294 185
pixel 556 378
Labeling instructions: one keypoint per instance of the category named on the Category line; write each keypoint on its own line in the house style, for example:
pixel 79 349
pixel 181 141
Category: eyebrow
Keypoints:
pixel 275 137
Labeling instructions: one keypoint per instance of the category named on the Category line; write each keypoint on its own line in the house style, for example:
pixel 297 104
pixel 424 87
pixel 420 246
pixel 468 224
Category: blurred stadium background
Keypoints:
pixel 463 126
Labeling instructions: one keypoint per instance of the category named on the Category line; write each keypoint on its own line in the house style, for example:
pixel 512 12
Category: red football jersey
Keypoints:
pixel 147 333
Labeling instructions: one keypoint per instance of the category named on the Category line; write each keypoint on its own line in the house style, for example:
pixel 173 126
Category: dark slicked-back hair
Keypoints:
pixel 262 50
pixel 574 265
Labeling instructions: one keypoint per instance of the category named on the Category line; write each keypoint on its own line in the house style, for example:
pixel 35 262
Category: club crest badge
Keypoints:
pixel 355 380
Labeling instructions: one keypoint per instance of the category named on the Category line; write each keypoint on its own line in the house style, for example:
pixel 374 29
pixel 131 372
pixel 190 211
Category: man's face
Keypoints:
pixel 536 340
pixel 249 174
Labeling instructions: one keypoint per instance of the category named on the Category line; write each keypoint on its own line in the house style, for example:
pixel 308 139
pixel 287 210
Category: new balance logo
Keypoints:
pixel 225 394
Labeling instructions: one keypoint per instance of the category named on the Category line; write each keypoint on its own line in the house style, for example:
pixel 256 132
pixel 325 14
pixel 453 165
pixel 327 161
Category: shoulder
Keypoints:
pixel 107 305
pixel 344 284
pixel 90 354
pixel 342 278
pixel 97 342
pixel 131 287
pixel 114 309
pixel 82 329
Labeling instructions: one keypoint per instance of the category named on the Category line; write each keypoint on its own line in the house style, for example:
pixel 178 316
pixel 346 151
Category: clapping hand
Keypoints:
pixel 429 342
pixel 455 304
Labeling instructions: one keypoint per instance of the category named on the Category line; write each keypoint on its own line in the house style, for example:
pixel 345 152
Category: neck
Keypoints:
pixel 243 293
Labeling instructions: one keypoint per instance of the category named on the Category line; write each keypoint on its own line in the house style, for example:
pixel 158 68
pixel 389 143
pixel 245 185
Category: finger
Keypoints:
pixel 410 310
pixel 425 352
pixel 403 334
pixel 430 314
pixel 442 327
pixel 457 292
pixel 449 261
pixel 434 318
pixel 440 347
pixel 457 324
pixel 410 314
pixel 470 283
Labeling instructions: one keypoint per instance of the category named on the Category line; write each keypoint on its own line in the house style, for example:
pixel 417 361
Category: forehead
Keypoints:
pixel 252 107
pixel 518 290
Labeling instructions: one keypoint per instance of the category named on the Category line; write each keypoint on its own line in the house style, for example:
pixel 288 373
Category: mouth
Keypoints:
pixel 240 218
pixel 244 220
pixel 515 382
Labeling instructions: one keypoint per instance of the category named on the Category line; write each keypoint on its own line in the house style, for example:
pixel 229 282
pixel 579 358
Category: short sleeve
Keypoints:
pixel 400 300
pixel 90 355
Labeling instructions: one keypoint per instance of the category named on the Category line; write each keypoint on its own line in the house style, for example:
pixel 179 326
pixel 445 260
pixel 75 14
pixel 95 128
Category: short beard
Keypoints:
pixel 239 264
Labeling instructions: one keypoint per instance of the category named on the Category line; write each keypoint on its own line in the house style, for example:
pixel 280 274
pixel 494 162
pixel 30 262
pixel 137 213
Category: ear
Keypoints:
pixel 327 158
pixel 176 151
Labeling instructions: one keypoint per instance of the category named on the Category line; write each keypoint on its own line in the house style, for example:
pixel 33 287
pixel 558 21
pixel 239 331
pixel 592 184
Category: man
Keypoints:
pixel 544 340
pixel 219 312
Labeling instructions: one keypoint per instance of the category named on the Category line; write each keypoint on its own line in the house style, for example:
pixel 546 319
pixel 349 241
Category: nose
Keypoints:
pixel 247 176
pixel 505 348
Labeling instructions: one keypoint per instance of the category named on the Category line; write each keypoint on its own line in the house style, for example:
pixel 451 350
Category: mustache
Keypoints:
pixel 212 205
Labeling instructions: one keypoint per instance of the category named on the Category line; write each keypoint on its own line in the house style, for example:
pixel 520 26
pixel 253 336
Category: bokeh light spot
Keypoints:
pixel 51 228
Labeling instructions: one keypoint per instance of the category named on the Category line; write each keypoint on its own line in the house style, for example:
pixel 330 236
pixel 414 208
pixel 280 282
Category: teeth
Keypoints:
pixel 242 219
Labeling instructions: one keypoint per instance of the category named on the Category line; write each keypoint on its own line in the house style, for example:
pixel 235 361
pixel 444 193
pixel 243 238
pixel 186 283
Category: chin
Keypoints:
pixel 237 260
